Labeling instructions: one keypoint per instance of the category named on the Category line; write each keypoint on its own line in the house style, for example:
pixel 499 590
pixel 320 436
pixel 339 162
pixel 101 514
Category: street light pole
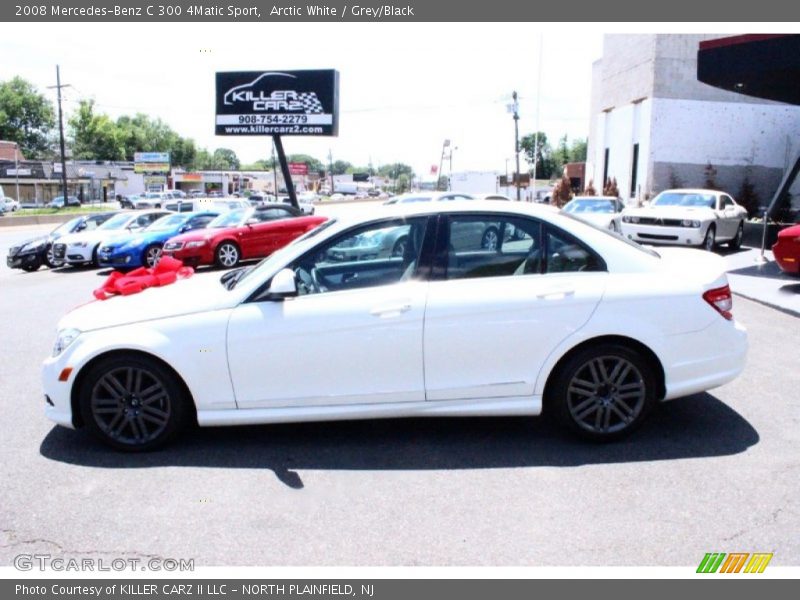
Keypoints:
pixel 58 87
pixel 516 140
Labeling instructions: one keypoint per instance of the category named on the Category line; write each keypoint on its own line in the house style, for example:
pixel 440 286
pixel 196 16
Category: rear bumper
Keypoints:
pixel 702 360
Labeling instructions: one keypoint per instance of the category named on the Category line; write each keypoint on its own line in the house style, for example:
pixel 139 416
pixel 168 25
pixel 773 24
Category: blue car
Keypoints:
pixel 143 248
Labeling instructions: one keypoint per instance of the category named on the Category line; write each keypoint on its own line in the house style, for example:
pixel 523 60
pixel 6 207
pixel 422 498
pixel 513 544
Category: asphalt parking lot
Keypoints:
pixel 716 472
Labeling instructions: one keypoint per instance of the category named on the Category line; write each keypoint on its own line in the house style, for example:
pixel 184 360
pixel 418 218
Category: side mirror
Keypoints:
pixel 283 285
pixel 251 221
pixel 80 227
pixel 184 229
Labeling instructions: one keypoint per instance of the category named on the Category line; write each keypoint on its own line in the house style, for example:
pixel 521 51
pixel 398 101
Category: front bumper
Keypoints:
pixel 192 256
pixel 673 236
pixel 78 255
pixel 20 261
pixel 58 405
pixel 119 258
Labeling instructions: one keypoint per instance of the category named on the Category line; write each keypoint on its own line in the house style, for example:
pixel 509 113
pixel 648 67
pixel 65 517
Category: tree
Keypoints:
pixel 222 159
pixel 710 174
pixel 93 136
pixel 590 190
pixel 610 188
pixel 540 156
pixel 748 197
pixel 394 170
pixel 578 150
pixel 26 117
pixel 562 192
pixel 340 167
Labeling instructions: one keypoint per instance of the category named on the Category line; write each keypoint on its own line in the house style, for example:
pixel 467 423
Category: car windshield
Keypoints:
pixel 168 222
pixel 233 218
pixel 590 206
pixel 684 199
pixel 67 227
pixel 117 222
pixel 413 199
pixel 267 264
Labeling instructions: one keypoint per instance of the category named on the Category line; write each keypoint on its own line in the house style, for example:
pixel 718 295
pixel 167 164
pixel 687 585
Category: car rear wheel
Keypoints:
pixel 151 255
pixel 490 239
pixel 603 392
pixel 710 240
pixel 736 242
pixel 132 403
pixel 227 255
pixel 399 248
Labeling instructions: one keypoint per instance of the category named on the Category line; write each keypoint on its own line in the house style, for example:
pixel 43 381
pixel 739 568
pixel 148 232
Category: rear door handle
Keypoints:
pixel 390 310
pixel 556 294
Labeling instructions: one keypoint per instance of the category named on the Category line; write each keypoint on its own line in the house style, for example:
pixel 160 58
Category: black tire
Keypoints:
pixel 602 392
pixel 227 255
pixel 150 255
pixel 95 260
pixel 399 248
pixel 133 403
pixel 710 241
pixel 490 239
pixel 736 242
pixel 32 266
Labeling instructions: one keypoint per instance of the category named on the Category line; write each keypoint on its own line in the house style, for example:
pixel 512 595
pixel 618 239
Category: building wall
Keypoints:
pixel 737 139
pixel 645 90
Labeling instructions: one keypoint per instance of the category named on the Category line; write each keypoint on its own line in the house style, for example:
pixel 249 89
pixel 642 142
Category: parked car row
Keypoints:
pixel 125 240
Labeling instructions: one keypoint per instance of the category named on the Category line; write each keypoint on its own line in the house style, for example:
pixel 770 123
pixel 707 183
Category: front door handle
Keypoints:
pixel 390 310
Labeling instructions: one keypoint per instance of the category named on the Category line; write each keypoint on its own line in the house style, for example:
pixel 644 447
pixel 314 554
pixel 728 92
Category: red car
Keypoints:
pixel 240 235
pixel 787 250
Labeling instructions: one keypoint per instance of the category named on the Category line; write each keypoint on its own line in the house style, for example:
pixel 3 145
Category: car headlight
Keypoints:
pixel 196 244
pixel 690 223
pixel 629 219
pixel 64 338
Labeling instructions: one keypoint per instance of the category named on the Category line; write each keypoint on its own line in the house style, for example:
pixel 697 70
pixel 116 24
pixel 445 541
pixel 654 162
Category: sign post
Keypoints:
pixel 276 103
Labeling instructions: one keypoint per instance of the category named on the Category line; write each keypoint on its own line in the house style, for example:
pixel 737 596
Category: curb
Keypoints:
pixel 778 307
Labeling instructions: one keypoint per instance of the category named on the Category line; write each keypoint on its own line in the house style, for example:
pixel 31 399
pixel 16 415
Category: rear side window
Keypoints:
pixel 565 254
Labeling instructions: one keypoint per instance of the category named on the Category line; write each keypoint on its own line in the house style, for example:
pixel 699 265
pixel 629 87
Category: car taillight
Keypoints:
pixel 721 300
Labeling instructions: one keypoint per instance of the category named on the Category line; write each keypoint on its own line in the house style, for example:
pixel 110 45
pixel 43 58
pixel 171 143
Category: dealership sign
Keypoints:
pixel 278 103
pixel 298 168
pixel 151 162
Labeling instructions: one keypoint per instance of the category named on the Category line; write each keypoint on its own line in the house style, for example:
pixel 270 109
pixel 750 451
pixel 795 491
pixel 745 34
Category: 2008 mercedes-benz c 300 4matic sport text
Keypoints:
pixel 561 317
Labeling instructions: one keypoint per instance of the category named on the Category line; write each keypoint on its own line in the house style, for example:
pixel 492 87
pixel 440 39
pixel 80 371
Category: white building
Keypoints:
pixel 654 126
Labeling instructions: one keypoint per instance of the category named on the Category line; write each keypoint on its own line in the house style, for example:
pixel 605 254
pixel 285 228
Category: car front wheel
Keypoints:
pixel 603 392
pixel 736 242
pixel 710 240
pixel 151 255
pixel 132 403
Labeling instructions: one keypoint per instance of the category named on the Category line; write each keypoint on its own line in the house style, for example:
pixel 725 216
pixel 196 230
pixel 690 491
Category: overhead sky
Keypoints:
pixel 404 88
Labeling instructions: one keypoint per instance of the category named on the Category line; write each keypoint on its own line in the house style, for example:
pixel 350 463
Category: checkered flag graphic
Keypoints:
pixel 310 102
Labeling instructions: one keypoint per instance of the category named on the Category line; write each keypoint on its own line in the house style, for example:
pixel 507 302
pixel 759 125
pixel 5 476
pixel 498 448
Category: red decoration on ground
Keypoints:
pixel 168 270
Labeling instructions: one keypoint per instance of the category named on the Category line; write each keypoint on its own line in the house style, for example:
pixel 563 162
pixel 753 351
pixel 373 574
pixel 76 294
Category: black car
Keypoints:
pixel 34 253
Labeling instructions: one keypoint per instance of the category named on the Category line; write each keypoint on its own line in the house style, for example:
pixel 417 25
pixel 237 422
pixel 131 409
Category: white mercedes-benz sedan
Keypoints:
pixel 561 317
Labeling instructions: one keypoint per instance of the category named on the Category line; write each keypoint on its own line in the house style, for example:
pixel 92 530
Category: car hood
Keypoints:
pixel 599 219
pixel 671 212
pixel 41 238
pixel 199 293
pixel 96 236
pixel 789 232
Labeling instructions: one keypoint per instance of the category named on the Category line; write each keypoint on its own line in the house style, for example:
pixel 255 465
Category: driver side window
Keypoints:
pixel 381 253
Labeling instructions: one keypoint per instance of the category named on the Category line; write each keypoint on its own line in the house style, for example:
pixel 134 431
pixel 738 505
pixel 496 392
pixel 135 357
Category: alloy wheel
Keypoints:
pixel 131 405
pixel 228 255
pixel 606 395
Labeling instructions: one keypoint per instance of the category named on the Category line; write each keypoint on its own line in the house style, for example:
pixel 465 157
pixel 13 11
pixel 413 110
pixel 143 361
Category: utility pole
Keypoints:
pixel 58 87
pixel 330 168
pixel 516 140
